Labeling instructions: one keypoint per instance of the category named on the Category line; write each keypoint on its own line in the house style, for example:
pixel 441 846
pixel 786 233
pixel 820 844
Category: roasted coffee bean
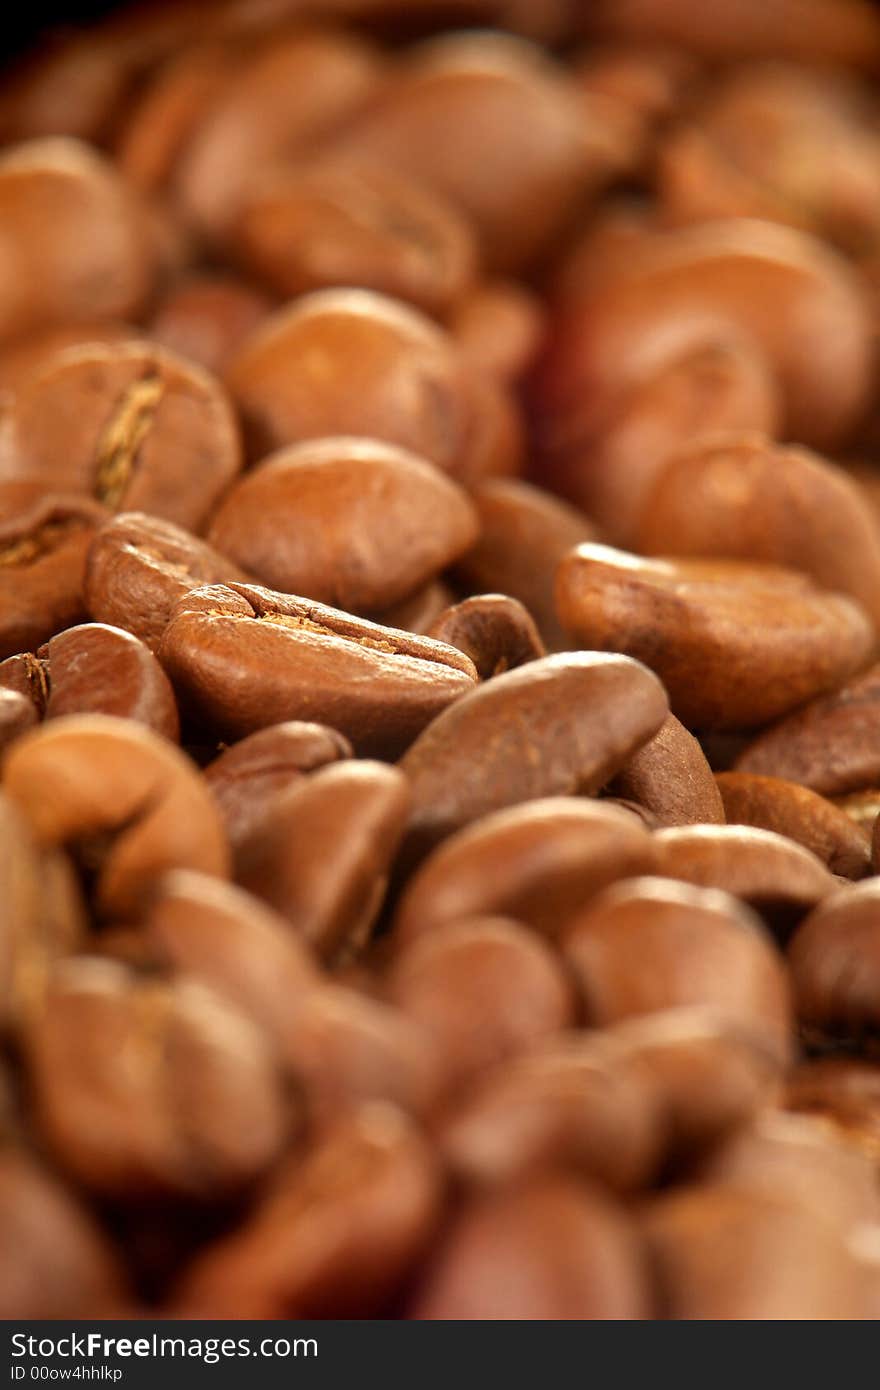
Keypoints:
pixel 56 1260
pixel 495 631
pixel 42 563
pixel 830 746
pixel 350 362
pixel 843 1092
pixel 778 142
pixel 96 669
pixel 524 533
pixel 25 356
pixel 209 931
pixel 322 853
pixel 499 327
pixel 747 499
pixel 561 725
pixel 320 226
pixel 315 519
pixel 568 1101
pixel 647 946
pixel 42 916
pixel 799 1158
pixel 206 318
pixel 734 281
pixel 139 566
pixel 538 863
pixel 518 117
pixel 344 1048
pixel 243 657
pixel 485 989
pixel 861 807
pixel 76 243
pixel 821 827
pixel 716 388
pixel 133 796
pixel 246 778
pixel 835 963
pixel 336 1234
pixel 17 715
pixel 670 777
pixel 706 1073
pixel 736 645
pixel 721 1252
pixel 129 424
pixel 777 877
pixel 143 1087
pixel 283 100
pixel 551 1250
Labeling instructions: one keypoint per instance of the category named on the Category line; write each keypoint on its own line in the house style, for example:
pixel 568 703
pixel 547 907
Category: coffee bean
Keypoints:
pixel 575 1254
pixel 322 853
pixel 647 946
pixel 835 963
pixel 821 827
pixel 561 725
pixel 95 669
pixel 496 632
pixel 91 776
pixel 139 566
pixel 670 778
pixel 243 657
pixel 829 746
pixel 844 1092
pixel 295 1257
pixel 736 645
pixel 539 863
pixel 42 563
pixel 134 1085
pixel 129 424
pixel 206 318
pixel 314 520
pixel 499 326
pixel 247 777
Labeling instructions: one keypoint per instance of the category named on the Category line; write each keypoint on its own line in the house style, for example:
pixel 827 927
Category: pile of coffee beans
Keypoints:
pixel 440 662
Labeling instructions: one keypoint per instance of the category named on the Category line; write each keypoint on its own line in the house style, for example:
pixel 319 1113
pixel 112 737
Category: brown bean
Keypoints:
pixel 524 534
pixel 350 362
pixel 336 1234
pixel 245 657
pixel 551 1250
pixel 844 1092
pixel 321 855
pixel 647 946
pixel 247 777
pixel 42 563
pixel 830 746
pixel 719 1252
pixel 139 566
pixel 129 424
pixel 56 1260
pixel 775 876
pixel 561 725
pixel 92 776
pixel 151 1088
pixel 769 803
pixel 539 863
pixel 834 958
pixel 499 328
pixel 569 1102
pixel 496 632
pixel 286 97
pixel 75 241
pixel 484 988
pixel 344 1049
pixel 319 226
pixel 670 777
pixel 206 318
pixel 736 645
pixel 314 520
pixel 95 669
pixel 17 715
pixel 744 498
pixel 520 121
pixel 706 1073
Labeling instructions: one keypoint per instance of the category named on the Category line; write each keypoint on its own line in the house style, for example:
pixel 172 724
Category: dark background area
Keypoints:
pixel 22 25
